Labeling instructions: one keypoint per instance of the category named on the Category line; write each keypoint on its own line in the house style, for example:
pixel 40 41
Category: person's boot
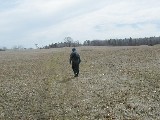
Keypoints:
pixel 76 75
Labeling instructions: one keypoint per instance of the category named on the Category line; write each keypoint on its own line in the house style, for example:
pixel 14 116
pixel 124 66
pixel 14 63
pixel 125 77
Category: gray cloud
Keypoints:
pixel 26 22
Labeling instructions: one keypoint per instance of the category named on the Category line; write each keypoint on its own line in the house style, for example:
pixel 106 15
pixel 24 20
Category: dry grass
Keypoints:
pixel 121 83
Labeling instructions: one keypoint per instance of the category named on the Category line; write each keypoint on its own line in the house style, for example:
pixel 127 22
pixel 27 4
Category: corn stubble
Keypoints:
pixel 114 83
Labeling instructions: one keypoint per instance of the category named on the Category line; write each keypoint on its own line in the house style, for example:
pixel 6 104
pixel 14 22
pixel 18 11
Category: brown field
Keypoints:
pixel 115 83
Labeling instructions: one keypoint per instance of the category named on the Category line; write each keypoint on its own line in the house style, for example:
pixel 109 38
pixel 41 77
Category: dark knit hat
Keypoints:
pixel 73 49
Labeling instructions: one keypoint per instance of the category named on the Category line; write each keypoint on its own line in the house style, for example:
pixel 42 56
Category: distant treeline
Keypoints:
pixel 68 42
pixel 61 44
pixel 2 49
pixel 124 42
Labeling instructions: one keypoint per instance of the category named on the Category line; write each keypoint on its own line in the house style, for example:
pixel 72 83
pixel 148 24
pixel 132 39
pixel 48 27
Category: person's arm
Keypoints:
pixel 70 59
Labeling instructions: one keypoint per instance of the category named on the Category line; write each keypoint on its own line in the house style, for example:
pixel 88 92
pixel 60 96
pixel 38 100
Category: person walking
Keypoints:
pixel 75 61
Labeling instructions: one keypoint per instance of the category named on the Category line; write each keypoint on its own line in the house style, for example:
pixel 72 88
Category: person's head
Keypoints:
pixel 73 49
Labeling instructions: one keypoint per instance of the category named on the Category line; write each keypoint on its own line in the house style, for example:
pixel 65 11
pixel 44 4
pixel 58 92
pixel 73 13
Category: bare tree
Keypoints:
pixel 36 46
pixel 68 41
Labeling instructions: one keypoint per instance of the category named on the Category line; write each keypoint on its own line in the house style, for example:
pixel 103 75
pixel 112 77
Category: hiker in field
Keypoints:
pixel 75 61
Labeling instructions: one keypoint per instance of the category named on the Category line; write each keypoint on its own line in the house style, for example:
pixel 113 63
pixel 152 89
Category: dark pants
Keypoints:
pixel 75 67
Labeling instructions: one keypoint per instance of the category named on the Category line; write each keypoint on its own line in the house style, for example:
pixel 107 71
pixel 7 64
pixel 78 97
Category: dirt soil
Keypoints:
pixel 115 83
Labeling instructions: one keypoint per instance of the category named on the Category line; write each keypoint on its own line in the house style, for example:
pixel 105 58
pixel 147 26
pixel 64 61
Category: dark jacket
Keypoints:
pixel 75 58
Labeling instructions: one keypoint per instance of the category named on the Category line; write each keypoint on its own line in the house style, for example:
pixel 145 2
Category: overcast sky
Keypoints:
pixel 42 22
